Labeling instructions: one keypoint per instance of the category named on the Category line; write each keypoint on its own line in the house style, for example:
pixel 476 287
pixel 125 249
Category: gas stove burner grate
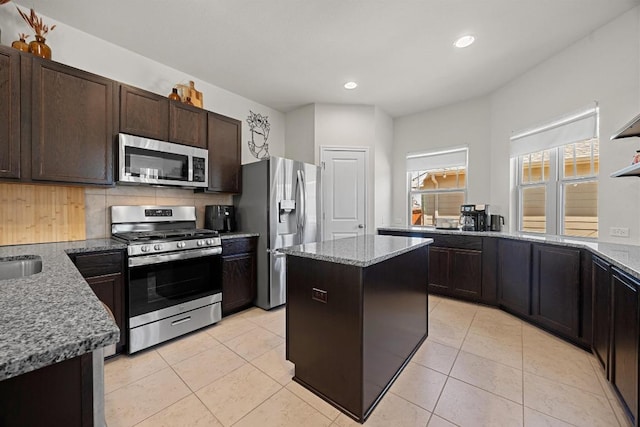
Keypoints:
pixel 157 235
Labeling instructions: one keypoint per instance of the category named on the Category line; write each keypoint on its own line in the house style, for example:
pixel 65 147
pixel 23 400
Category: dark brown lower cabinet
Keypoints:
pixel 239 273
pixel 466 273
pixel 514 276
pixel 103 271
pixel 556 288
pixel 351 329
pixel 601 312
pixel 439 270
pixel 625 340
pixel 57 395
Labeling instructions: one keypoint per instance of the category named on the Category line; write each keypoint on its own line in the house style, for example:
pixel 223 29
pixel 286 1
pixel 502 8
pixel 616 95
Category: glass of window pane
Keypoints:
pixel 580 159
pixel 581 209
pixel 535 167
pixel 417 213
pixel 534 217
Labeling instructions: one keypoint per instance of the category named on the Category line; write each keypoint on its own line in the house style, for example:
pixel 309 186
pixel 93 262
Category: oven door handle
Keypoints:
pixel 176 256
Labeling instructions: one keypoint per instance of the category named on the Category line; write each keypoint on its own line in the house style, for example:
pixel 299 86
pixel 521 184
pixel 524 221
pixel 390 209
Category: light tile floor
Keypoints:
pixel 479 367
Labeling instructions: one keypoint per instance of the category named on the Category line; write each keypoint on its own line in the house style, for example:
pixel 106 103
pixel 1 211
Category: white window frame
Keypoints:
pixel 411 192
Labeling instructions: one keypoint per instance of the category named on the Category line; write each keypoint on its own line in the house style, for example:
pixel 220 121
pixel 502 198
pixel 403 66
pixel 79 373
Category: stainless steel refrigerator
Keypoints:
pixel 280 200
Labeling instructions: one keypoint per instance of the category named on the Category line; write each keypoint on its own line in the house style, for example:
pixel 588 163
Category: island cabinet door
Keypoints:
pixel 555 290
pixel 514 276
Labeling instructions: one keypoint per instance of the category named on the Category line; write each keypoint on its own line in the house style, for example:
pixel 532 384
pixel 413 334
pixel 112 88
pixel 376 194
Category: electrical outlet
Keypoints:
pixel 619 231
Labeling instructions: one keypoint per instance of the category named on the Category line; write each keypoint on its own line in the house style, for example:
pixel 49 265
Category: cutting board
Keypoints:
pixel 41 213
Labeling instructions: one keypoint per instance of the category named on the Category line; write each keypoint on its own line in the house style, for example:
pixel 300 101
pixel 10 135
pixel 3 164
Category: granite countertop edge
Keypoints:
pixel 361 259
pixel 53 315
pixel 624 257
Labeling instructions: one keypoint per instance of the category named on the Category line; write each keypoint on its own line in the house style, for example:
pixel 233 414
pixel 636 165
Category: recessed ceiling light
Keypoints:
pixel 464 41
pixel 350 85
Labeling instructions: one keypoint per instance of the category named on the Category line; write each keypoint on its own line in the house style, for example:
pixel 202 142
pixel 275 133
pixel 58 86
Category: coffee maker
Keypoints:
pixel 474 217
pixel 221 218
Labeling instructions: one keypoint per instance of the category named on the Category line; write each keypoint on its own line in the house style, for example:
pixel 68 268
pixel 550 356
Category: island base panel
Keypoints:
pixel 350 348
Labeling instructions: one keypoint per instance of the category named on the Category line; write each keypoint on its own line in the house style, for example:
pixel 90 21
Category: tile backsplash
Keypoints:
pixel 98 201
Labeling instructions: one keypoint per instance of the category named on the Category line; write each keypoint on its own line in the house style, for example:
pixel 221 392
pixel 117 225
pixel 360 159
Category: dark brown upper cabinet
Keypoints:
pixel 224 138
pixel 72 125
pixel 187 125
pixel 9 113
pixel 143 113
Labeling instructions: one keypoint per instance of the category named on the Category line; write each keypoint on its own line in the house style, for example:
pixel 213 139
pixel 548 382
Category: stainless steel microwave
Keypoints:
pixel 148 161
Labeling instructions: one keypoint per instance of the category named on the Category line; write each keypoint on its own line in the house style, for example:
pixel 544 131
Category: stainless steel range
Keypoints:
pixel 174 272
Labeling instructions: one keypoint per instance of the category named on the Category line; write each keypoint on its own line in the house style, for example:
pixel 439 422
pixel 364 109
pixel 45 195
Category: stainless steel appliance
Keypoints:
pixel 496 223
pixel 474 217
pixel 280 200
pixel 174 280
pixel 221 218
pixel 147 161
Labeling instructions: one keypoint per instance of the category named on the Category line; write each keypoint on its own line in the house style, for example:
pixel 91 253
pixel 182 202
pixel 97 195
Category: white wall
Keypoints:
pixel 383 179
pixel 463 124
pixel 300 134
pixel 86 52
pixel 602 67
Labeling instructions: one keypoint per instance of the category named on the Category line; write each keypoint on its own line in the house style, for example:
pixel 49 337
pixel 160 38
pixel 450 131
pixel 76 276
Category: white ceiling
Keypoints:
pixel 288 53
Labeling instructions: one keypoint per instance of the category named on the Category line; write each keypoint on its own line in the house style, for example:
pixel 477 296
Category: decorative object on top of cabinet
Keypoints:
pixel 174 95
pixel 188 101
pixel 21 44
pixel 259 127
pixel 38 47
pixel 189 93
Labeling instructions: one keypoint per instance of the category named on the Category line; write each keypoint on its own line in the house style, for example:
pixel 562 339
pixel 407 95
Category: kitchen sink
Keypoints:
pixel 15 268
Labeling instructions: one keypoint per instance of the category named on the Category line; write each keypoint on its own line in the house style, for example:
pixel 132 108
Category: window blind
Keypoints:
pixel 437 160
pixel 581 125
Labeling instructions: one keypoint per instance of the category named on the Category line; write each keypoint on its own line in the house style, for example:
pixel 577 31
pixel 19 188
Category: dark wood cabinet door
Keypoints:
pixel 72 125
pixel 555 288
pixel 144 113
pixel 601 312
pixel 110 290
pixel 624 358
pixel 187 125
pixel 238 282
pixel 466 273
pixel 514 276
pixel 104 272
pixel 9 113
pixel 224 138
pixel 439 270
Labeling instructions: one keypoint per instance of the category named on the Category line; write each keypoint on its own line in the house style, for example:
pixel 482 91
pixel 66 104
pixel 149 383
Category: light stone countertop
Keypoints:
pixel 53 315
pixel 361 251
pixel 624 257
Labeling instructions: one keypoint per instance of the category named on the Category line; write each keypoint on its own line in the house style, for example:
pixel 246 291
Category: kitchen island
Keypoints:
pixel 356 312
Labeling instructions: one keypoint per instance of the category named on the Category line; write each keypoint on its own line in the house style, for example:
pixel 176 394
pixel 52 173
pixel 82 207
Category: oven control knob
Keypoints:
pixel 145 248
pixel 200 242
pixel 181 244
pixel 209 242
pixel 157 247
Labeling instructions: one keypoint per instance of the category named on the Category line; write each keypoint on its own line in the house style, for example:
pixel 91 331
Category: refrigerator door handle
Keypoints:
pixel 303 199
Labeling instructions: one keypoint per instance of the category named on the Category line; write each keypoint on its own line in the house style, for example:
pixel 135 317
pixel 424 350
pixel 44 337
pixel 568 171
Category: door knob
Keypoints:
pixel 360 225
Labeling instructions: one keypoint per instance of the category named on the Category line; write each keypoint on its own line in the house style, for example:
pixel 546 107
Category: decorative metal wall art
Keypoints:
pixel 259 127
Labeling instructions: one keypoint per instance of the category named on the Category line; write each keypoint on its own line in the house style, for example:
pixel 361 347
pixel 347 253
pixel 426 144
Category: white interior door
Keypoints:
pixel 344 192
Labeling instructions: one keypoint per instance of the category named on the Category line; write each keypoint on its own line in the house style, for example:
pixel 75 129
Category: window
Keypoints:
pixel 557 186
pixel 437 185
